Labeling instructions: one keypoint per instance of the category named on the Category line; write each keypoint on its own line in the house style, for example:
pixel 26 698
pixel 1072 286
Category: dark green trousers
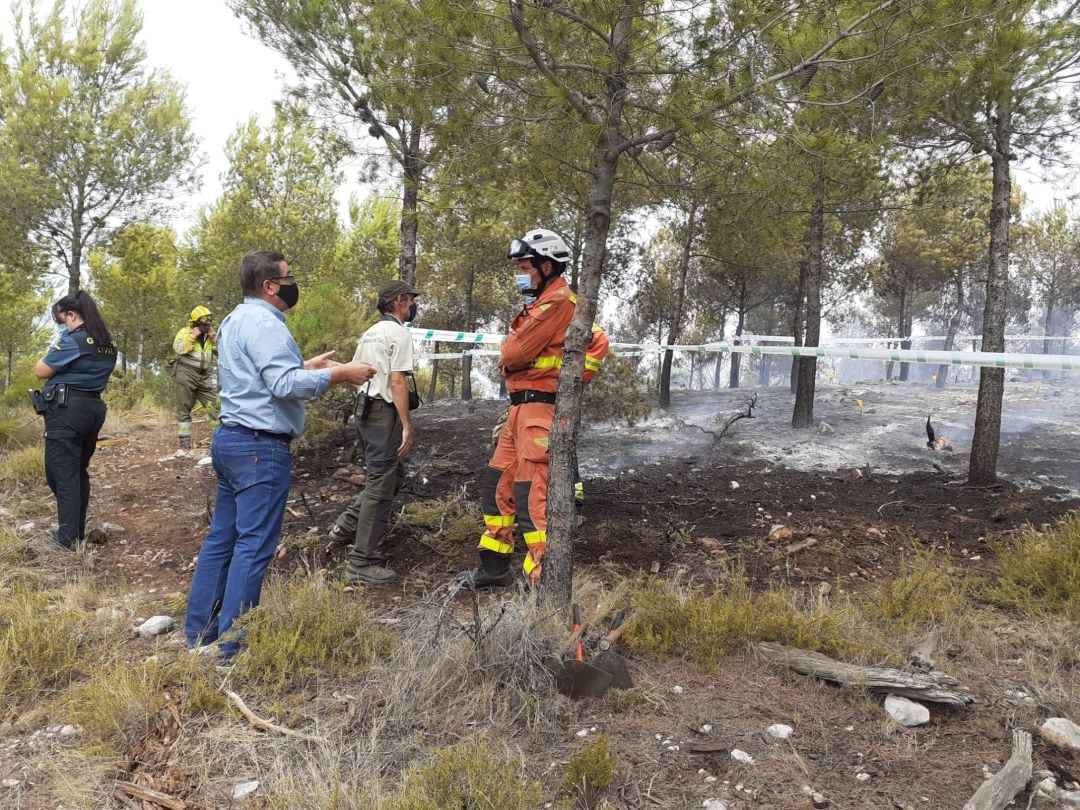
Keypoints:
pixel 367 515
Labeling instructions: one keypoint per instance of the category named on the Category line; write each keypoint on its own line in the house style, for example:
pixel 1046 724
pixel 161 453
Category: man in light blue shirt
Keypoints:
pixel 264 385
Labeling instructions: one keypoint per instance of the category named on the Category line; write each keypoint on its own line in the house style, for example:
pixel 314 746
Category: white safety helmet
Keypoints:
pixel 541 244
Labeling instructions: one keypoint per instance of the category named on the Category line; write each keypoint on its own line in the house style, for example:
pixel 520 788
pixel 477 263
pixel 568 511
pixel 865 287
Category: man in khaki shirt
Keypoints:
pixel 385 430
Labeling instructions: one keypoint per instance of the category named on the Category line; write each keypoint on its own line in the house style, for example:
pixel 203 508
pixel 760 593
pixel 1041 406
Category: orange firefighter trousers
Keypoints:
pixel 516 483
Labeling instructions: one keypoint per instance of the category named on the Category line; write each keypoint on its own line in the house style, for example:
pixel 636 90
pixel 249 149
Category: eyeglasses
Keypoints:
pixel 282 278
pixel 520 249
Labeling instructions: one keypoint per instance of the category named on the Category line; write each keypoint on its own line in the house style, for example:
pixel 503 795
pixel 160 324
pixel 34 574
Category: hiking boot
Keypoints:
pixel 337 537
pixel 371 575
pixel 185 442
pixel 494 572
pixel 55 535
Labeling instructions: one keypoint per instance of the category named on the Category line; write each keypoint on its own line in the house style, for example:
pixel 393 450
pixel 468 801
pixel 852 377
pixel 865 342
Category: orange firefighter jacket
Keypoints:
pixel 531 355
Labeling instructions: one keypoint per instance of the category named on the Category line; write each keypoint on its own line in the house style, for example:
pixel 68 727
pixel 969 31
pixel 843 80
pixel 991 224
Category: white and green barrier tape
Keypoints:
pixel 1040 362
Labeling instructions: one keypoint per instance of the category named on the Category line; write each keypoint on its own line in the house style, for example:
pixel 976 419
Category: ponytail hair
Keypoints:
pixel 81 302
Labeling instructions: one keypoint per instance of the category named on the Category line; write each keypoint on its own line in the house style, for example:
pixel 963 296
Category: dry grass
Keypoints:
pixel 23 465
pixel 43 644
pixel 674 618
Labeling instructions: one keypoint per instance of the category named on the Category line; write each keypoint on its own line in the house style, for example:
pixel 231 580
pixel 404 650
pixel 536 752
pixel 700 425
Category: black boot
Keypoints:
pixel 494 572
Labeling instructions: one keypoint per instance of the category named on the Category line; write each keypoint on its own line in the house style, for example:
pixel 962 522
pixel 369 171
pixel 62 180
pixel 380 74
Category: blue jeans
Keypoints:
pixel 254 472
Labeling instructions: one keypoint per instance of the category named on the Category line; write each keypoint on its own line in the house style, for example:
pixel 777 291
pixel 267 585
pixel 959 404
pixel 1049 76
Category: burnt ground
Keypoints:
pixel 666 515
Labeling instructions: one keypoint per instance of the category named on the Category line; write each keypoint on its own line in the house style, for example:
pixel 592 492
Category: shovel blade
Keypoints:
pixel 576 679
pixel 613 664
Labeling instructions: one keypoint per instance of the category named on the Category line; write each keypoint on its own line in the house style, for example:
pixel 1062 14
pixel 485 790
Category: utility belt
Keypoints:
pixel 284 437
pixel 58 394
pixel 522 397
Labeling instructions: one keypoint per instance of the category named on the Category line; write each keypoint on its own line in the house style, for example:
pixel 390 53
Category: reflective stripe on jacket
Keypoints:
pixel 192 352
pixel 532 353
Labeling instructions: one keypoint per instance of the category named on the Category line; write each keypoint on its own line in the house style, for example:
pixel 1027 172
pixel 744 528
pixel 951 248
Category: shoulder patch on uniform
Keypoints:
pixel 545 307
pixel 562 291
pixel 57 345
pixel 90 341
pixel 573 298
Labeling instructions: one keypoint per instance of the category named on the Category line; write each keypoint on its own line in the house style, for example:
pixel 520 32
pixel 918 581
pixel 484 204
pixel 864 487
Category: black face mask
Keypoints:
pixel 412 313
pixel 289 294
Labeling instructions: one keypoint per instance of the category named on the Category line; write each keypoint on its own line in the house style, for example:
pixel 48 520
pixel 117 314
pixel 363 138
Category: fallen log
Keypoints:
pixel 1000 789
pixel 936 687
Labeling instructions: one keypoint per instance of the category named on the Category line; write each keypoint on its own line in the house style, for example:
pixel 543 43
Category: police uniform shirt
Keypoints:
pixel 79 362
pixel 388 346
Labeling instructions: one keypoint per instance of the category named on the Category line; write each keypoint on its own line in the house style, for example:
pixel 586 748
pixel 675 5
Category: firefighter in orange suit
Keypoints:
pixel 515 482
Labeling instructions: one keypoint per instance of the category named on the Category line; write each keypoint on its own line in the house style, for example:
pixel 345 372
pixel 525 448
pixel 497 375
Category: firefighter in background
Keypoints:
pixel 196 347
pixel 515 483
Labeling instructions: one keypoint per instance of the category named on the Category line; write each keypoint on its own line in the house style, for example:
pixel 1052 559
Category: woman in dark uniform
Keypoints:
pixel 76 371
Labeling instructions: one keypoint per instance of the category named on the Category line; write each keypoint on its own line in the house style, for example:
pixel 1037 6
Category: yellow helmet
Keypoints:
pixel 199 313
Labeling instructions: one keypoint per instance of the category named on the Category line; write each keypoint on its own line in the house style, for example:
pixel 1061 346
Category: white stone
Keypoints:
pixel 112 528
pixel 583 733
pixel 11 783
pixel 825 429
pixel 26 527
pixel 155 626
pixel 1047 787
pixel 245 789
pixel 705 729
pixel 714 804
pixel 741 756
pixel 68 731
pixel 779 731
pixel 710 778
pixel 204 462
pixel 676 690
pixel 1061 732
pixel 1070 798
pixel 906 712
pixel 862 777
pixel 734 485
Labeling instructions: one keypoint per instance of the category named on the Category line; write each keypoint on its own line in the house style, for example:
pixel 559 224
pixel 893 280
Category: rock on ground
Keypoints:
pixel 155 626
pixel 906 712
pixel 1061 732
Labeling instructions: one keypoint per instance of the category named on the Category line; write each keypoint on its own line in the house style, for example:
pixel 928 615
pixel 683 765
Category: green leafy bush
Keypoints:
pixel 467 776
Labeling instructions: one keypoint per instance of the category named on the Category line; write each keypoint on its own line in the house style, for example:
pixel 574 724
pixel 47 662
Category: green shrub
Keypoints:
pixel 1040 572
pixel 303 628
pixel 927 592
pixel 153 392
pixel 115 705
pixel 25 465
pixel 454 520
pixel 619 392
pixel 39 643
pixel 467 776
pixel 591 768
pixel 706 625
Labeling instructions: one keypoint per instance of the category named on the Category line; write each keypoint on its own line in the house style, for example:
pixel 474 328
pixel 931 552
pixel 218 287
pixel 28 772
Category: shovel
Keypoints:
pixel 610 661
pixel 575 678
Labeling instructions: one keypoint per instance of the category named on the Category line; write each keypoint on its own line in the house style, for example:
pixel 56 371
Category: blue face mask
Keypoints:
pixel 529 299
pixel 524 282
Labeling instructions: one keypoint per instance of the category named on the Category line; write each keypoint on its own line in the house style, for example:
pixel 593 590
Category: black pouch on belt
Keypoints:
pixel 61 390
pixel 363 403
pixel 414 395
pixel 37 400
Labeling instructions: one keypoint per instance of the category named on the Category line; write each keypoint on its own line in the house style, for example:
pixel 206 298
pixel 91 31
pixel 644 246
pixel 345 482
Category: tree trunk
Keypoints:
pixel 557 577
pixel 469 326
pixel 736 358
pixel 798 318
pixel 434 375
pixel 803 416
pixel 680 303
pixel 1048 327
pixel 982 465
pixel 139 355
pixel 954 327
pixel 903 330
pixel 764 367
pixel 10 366
pixel 412 175
pixel 719 355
